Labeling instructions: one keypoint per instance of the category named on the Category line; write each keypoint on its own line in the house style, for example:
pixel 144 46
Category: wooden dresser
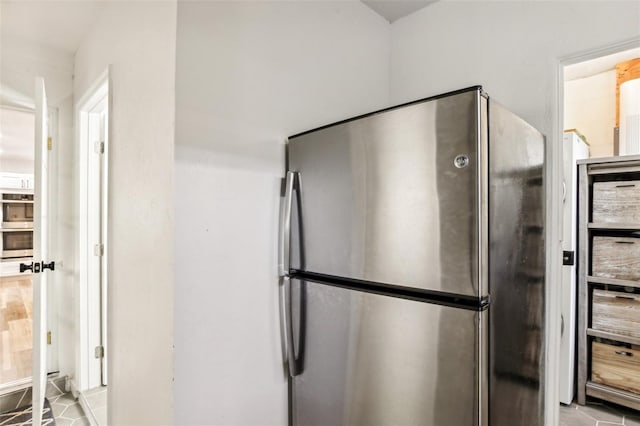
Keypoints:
pixel 609 280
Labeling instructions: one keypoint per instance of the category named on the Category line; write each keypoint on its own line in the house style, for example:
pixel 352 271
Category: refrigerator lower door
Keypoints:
pixel 370 359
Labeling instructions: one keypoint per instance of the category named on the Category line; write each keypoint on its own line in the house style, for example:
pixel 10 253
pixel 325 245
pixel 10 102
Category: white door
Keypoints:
pixel 40 254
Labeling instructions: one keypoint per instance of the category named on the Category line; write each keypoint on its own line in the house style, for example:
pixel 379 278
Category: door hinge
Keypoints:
pixel 98 147
pixel 98 250
pixel 49 143
pixel 99 352
pixel 48 337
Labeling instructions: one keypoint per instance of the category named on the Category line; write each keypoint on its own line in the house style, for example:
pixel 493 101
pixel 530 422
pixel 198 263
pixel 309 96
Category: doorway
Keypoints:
pixel 93 137
pixel 83 338
pixel 587 114
pixel 17 184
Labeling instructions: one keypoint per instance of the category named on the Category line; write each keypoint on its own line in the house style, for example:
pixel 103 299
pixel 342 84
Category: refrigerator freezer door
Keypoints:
pixel 394 197
pixel 369 359
pixel 517 271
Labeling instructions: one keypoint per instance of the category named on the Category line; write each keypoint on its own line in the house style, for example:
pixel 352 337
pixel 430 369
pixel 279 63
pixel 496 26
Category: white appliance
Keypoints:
pixel 16 222
pixel 574 149
pixel 630 117
pixel 16 211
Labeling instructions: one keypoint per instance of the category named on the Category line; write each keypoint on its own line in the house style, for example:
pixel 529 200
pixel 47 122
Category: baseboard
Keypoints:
pixel 87 409
pixel 17 394
pixel 73 388
pixel 16 385
pixel 16 399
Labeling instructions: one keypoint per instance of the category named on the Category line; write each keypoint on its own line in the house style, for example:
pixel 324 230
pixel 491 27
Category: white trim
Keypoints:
pixel 97 93
pixel 15 385
pixel 554 222
pixel 553 248
pixel 55 298
pixel 587 55
pixel 82 400
pixel 18 108
pixel 73 388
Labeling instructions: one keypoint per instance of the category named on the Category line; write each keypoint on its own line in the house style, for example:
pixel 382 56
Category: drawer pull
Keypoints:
pixel 625 353
pixel 625 242
pixel 625 186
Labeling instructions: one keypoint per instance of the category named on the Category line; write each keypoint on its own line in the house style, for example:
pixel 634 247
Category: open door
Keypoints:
pixel 40 254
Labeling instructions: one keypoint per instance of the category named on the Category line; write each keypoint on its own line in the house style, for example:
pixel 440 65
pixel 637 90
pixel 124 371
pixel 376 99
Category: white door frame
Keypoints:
pixel 40 253
pixel 92 104
pixel 554 159
pixel 55 298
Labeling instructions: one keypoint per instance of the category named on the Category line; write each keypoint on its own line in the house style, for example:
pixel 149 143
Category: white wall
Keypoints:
pixel 138 40
pixel 21 62
pixel 17 133
pixel 590 107
pixel 16 165
pixel 508 47
pixel 248 75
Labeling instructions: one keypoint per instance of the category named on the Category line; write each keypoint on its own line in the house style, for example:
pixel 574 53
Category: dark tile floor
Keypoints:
pixel 598 414
pixel 66 409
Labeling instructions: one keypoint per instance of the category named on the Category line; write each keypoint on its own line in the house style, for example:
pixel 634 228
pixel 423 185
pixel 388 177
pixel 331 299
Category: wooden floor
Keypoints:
pixel 16 312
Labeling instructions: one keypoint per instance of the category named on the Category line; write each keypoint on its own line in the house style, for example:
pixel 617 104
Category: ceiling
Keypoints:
pixel 598 65
pixel 61 24
pixel 393 10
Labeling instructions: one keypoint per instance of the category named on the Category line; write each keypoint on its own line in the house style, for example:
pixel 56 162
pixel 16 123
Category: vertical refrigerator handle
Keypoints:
pixel 286 317
pixel 284 248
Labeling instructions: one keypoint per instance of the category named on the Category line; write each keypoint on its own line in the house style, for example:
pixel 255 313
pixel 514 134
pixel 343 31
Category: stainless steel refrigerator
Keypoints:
pixel 412 264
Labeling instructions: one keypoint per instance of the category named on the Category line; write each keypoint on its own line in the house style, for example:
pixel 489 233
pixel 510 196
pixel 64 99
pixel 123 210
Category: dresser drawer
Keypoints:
pixel 616 202
pixel 616 366
pixel 616 312
pixel 616 257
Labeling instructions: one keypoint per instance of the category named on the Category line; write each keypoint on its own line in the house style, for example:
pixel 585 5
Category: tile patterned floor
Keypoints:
pixel 24 416
pixel 16 399
pixel 66 408
pixel 97 402
pixel 22 398
pixel 598 414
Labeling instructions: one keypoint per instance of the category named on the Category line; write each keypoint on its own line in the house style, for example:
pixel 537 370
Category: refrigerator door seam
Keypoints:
pixel 410 293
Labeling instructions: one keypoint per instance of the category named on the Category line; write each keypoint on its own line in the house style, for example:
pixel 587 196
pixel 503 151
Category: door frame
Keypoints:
pixel 54 297
pixel 554 158
pixel 97 93
pixel 41 242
